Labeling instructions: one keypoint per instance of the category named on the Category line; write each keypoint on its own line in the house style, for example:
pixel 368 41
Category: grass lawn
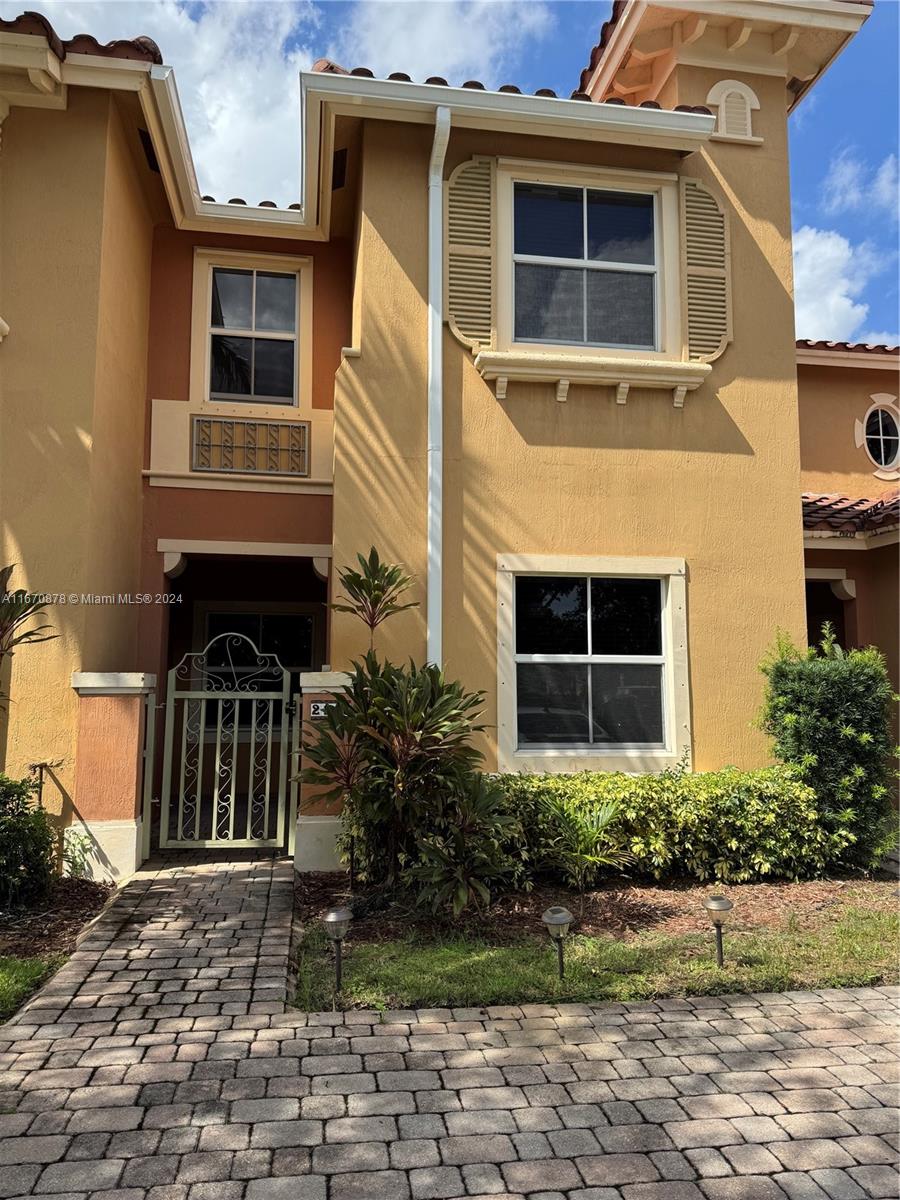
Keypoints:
pixel 850 940
pixel 19 977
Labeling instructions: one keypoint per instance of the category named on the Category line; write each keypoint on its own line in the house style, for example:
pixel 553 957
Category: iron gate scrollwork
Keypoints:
pixel 225 765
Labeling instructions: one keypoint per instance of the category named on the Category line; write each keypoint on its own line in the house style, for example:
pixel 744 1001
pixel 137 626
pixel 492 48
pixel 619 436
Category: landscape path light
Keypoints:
pixel 558 921
pixel 718 908
pixel 337 923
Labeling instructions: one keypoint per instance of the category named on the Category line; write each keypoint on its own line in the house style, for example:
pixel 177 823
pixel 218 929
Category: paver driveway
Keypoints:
pixel 160 1064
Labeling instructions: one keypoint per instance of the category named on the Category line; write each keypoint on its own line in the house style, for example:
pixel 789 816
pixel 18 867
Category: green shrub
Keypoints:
pixel 729 825
pixel 26 844
pixel 829 712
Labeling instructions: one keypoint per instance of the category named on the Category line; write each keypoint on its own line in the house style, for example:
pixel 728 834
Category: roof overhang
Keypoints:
pixel 794 39
pixel 826 539
pixel 32 74
pixel 324 97
pixel 871 360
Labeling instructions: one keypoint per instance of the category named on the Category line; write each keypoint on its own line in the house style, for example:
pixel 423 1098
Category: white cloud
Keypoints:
pixel 852 185
pixel 879 337
pixel 830 276
pixel 236 65
pixel 456 39
pixel 236 68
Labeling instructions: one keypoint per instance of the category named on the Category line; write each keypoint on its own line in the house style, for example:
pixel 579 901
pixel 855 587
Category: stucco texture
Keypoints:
pixel 73 384
pixel 717 483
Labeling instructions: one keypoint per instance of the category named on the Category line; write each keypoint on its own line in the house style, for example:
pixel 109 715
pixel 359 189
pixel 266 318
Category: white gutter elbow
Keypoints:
pixel 434 591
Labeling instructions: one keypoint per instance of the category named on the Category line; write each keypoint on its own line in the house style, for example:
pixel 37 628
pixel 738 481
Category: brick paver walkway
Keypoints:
pixel 161 1064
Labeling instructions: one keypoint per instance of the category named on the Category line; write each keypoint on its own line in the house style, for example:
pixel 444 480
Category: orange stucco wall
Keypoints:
pixel 108 764
pixel 832 401
pixel 170 306
pixel 872 616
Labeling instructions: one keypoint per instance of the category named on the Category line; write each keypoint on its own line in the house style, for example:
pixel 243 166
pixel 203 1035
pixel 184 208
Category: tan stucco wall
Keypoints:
pixel 832 400
pixel 71 398
pixel 716 483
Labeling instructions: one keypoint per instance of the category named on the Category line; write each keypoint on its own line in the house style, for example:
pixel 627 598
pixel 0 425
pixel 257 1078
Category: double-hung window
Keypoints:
pixel 253 323
pixel 590 665
pixel 585 266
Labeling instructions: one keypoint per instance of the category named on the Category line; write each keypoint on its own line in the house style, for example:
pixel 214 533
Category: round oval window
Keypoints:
pixel 883 438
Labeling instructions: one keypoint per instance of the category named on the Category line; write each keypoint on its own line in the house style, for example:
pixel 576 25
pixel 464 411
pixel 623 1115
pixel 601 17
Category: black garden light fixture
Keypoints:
pixel 558 921
pixel 718 908
pixel 337 923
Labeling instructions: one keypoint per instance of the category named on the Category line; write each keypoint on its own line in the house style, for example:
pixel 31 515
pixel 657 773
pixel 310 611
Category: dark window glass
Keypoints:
pixel 551 615
pixel 620 308
pixel 549 221
pixel 549 303
pixel 275 302
pixel 231 359
pixel 626 703
pixel 273 369
pixel 882 437
pixel 290 636
pixel 620 227
pixel 552 701
pixel 625 616
pixel 234 651
pixel 232 299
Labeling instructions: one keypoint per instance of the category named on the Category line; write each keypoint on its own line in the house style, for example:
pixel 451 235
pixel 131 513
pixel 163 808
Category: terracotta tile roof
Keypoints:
pixel 836 513
pixel 606 32
pixel 847 347
pixel 240 200
pixel 143 49
pixel 325 66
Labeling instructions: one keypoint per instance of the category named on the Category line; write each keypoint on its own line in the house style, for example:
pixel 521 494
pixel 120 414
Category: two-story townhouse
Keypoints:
pixel 538 349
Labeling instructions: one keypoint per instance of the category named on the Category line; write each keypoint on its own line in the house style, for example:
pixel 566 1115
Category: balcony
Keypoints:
pixel 243 447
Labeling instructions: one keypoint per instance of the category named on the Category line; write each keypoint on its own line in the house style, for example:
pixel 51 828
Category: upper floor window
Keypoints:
pixel 882 434
pixel 585 266
pixel 253 335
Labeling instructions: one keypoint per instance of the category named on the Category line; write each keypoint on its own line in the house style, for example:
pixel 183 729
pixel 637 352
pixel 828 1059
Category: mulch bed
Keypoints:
pixel 53 924
pixel 617 909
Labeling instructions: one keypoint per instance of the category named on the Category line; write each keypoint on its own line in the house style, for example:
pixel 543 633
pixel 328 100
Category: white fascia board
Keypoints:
pixel 847 358
pixel 841 15
pixel 579 120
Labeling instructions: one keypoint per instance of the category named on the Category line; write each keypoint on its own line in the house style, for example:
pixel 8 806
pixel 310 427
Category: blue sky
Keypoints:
pixel 244 127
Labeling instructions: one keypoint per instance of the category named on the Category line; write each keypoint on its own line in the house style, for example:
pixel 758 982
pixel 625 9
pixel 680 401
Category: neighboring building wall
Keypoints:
pixel 716 483
pixel 832 401
pixel 73 383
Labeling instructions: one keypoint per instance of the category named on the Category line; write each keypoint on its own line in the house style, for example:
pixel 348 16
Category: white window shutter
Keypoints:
pixel 706 266
pixel 470 253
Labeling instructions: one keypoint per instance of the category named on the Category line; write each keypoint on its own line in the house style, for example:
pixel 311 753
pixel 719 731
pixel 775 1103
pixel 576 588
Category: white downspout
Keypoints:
pixel 435 566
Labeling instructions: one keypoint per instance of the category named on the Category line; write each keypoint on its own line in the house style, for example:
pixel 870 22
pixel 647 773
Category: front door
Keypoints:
pixel 226 760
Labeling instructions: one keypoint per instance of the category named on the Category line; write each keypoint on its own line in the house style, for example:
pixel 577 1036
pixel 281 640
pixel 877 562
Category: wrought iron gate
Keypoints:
pixel 225 764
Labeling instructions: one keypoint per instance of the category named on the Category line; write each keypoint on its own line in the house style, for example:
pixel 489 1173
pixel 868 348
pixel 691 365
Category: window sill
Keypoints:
pixel 562 370
pixel 649 761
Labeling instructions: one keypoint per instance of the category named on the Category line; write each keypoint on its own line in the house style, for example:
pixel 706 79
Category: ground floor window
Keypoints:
pixel 592 660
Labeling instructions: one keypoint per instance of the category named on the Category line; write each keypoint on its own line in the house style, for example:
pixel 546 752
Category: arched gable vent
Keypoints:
pixel 736 104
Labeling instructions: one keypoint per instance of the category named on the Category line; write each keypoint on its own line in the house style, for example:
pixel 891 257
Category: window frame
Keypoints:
pixel 669 342
pixel 254 335
pixel 206 259
pixel 589 659
pixel 588 264
pixel 894 414
pixel 673 659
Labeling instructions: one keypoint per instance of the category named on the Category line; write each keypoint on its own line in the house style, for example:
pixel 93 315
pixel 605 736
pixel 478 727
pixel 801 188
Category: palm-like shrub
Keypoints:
pixel 17 608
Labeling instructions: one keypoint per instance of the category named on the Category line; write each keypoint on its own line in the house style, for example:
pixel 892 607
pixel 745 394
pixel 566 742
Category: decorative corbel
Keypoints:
pixel 173 564
pixel 4 329
pixel 622 393
pixel 678 395
pixel 502 381
pixel 562 390
pixel 320 567
pixel 785 39
pixel 844 589
pixel 737 34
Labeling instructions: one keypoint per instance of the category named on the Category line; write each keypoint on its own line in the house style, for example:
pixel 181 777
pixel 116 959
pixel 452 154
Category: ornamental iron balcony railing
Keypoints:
pixel 232 445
